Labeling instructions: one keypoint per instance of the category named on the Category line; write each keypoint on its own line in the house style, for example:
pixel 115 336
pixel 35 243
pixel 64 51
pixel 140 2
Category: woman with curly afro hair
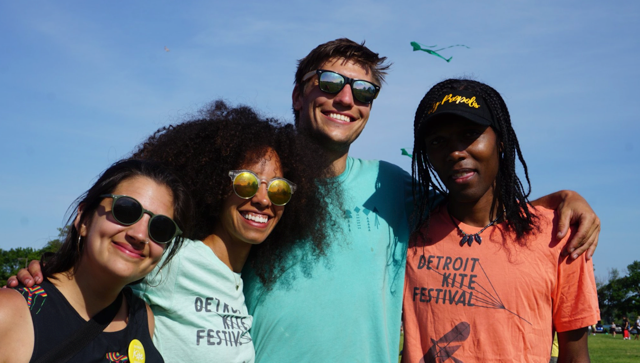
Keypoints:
pixel 243 172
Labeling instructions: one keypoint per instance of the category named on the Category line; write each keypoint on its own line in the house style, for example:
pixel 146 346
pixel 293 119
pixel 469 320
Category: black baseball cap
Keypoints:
pixel 461 103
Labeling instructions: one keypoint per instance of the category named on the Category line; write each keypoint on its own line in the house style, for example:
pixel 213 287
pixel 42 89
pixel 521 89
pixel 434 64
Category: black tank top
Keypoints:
pixel 54 320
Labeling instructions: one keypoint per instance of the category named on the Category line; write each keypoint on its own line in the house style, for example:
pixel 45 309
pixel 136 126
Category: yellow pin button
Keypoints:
pixel 136 352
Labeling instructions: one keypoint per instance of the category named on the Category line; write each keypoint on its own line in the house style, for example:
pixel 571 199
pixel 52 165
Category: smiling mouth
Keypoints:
pixel 461 175
pixel 258 218
pixel 339 117
pixel 127 251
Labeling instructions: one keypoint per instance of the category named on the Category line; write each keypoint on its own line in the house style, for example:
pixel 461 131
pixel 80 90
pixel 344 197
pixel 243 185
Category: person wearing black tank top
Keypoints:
pixel 122 226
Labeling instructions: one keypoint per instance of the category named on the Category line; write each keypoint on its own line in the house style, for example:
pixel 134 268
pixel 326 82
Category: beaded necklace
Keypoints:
pixel 469 238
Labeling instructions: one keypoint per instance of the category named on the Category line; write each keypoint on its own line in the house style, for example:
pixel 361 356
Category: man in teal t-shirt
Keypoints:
pixel 346 306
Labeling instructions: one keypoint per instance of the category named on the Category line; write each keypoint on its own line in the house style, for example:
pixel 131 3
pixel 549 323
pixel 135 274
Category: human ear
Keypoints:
pixel 297 96
pixel 81 226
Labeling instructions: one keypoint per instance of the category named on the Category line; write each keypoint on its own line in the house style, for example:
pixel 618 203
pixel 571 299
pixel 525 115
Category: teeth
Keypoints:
pixel 256 218
pixel 340 117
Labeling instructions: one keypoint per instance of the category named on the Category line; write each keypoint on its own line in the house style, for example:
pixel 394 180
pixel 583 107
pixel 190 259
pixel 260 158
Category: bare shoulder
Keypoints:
pixel 13 309
pixel 16 327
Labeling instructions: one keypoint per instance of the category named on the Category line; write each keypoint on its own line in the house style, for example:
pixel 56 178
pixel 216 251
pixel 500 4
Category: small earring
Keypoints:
pixel 78 245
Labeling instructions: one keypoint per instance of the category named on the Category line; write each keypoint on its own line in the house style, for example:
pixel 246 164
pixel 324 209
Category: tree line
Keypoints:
pixel 620 296
pixel 13 260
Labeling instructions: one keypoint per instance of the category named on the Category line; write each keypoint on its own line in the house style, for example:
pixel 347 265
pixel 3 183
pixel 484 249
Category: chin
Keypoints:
pixel 464 196
pixel 130 273
pixel 255 241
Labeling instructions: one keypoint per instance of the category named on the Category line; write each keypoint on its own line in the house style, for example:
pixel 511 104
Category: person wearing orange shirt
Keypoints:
pixel 485 280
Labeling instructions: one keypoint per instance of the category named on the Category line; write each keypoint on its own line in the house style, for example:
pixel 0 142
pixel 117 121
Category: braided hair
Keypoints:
pixel 510 195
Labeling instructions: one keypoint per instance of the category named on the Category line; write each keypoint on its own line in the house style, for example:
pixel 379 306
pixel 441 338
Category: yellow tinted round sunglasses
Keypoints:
pixel 246 184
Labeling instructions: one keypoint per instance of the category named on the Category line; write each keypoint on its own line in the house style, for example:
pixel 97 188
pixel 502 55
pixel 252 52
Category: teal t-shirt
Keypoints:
pixel 199 308
pixel 346 306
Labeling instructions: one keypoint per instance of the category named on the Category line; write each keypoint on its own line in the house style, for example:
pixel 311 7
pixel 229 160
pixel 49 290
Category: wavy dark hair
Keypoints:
pixel 68 256
pixel 510 195
pixel 348 50
pixel 220 138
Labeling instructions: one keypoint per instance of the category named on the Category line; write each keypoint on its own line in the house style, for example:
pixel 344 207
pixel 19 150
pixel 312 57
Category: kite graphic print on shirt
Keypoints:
pixel 459 282
pixel 362 218
pixel 32 295
pixel 456 282
pixel 116 357
pixel 491 302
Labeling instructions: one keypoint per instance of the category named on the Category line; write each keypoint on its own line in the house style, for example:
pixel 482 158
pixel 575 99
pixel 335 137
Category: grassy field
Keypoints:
pixel 604 348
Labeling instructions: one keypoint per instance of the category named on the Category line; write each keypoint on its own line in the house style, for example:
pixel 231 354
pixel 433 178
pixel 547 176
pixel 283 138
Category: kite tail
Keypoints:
pixel 451 46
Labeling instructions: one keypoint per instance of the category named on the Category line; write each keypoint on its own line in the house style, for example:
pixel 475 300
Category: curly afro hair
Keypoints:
pixel 202 151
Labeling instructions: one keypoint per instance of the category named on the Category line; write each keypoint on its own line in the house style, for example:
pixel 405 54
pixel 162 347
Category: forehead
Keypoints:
pixel 153 196
pixel 266 164
pixel 347 68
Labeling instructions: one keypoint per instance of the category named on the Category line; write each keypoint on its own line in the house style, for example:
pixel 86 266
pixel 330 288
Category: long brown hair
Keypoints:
pixel 70 253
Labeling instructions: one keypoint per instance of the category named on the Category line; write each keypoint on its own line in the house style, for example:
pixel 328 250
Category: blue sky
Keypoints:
pixel 83 82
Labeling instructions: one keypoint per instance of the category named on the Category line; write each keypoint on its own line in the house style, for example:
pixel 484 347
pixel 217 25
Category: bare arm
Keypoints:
pixel 573 346
pixel 16 328
pixel 573 209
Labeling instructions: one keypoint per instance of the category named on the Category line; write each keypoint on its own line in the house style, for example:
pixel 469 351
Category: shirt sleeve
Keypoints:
pixel 575 301
pixel 158 288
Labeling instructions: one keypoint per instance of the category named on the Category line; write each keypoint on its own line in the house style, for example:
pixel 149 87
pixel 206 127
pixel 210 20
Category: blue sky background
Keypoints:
pixel 83 82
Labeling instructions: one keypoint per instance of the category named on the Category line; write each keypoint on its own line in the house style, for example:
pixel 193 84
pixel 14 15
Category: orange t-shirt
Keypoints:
pixel 488 303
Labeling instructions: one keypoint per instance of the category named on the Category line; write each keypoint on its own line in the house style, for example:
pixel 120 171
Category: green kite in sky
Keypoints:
pixel 405 152
pixel 422 47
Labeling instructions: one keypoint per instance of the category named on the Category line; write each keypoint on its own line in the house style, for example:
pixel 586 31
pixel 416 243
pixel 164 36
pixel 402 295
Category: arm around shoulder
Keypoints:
pixel 573 209
pixel 16 328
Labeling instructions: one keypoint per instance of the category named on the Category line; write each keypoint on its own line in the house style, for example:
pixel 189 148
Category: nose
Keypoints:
pixel 138 233
pixel 261 198
pixel 345 96
pixel 457 152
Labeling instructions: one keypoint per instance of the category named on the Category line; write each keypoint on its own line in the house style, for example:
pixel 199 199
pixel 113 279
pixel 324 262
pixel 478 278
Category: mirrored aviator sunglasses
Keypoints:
pixel 333 82
pixel 128 211
pixel 246 184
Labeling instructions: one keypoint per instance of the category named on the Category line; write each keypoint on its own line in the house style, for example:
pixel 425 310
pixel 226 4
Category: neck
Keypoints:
pixel 335 154
pixel 474 213
pixel 338 164
pixel 336 158
pixel 232 253
pixel 88 293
